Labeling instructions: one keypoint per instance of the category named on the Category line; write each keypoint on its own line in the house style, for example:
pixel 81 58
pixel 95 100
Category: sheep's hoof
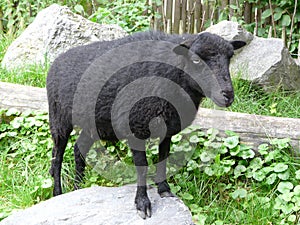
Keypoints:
pixel 167 194
pixel 143 206
pixel 164 189
pixel 144 215
pixel 57 191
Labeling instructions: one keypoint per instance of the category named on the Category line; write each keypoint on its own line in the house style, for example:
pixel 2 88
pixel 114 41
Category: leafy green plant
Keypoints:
pixel 132 15
pixel 25 156
pixel 236 171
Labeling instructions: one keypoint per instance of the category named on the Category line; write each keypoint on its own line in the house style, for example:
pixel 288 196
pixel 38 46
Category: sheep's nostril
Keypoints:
pixel 229 97
pixel 226 96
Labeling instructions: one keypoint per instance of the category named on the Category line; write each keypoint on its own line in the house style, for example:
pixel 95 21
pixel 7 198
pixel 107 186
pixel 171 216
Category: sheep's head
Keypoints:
pixel 211 50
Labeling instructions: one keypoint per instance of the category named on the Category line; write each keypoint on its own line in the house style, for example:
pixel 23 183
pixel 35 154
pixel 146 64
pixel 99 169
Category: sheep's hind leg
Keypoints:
pixel 81 148
pixel 143 204
pixel 58 151
pixel 161 179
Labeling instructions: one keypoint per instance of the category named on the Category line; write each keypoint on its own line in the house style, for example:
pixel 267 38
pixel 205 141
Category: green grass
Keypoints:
pixel 31 76
pixel 34 75
pixel 251 98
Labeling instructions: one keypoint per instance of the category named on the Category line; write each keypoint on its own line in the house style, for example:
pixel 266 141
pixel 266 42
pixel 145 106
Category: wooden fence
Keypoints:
pixel 193 16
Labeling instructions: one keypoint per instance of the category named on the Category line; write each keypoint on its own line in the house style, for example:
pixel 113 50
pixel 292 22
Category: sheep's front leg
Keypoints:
pixel 161 179
pixel 142 202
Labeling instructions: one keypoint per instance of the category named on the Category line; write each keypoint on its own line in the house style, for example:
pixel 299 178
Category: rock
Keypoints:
pixel 55 30
pixel 231 31
pixel 265 61
pixel 101 205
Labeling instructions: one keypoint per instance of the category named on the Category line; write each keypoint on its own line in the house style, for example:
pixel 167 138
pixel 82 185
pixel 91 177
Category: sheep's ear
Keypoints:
pixel 183 47
pixel 237 44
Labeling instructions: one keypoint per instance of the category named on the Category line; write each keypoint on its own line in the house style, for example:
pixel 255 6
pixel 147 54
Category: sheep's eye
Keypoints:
pixel 196 61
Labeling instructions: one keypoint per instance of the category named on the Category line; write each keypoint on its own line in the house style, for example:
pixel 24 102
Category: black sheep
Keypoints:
pixel 148 84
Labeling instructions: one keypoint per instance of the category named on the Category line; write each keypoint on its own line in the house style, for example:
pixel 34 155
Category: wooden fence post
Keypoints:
pixel 161 21
pixel 153 20
pixel 1 23
pixel 205 16
pixel 183 15
pixel 283 36
pixel 224 5
pixel 197 16
pixel 272 18
pixel 168 10
pixel 256 22
pixel 190 16
pixel 270 32
pixel 247 12
pixel 231 11
pixel 181 29
pixel 169 26
pixel 299 51
pixel 212 9
pixel 176 16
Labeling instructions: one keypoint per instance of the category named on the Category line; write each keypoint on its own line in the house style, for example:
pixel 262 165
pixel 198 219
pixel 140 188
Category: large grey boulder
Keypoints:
pixel 269 63
pixel 55 30
pixel 265 61
pixel 102 205
pixel 231 31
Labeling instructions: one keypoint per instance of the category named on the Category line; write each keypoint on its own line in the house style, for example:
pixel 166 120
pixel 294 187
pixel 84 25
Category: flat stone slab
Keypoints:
pixel 102 205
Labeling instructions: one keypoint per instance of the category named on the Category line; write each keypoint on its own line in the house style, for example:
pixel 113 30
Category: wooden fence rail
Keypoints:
pixel 253 129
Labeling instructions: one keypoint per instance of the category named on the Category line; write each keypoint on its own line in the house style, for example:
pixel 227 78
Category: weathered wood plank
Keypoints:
pixel 22 97
pixel 253 129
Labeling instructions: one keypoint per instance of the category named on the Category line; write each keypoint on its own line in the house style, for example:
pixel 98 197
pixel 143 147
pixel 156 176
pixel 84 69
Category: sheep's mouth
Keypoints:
pixel 223 101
